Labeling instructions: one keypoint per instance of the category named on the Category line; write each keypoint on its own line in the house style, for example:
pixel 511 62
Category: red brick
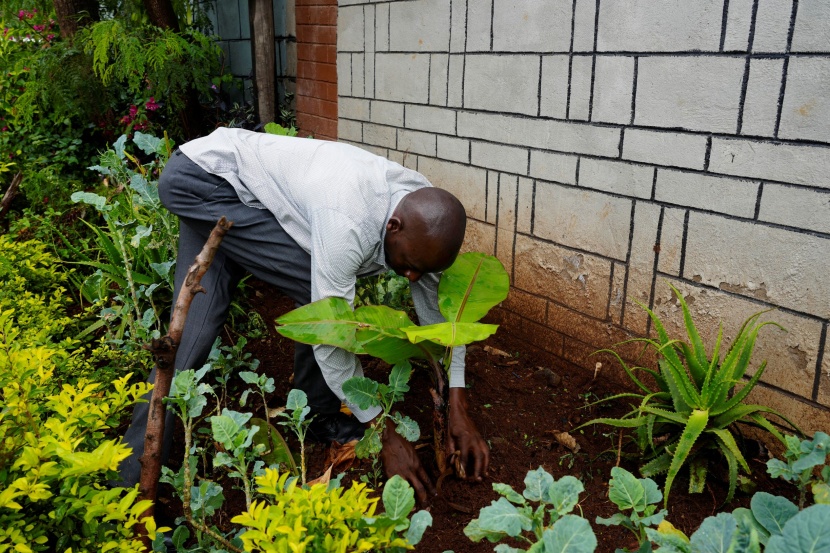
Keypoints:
pixel 316 15
pixel 320 127
pixel 299 3
pixel 321 53
pixel 317 89
pixel 316 34
pixel 315 106
pixel 325 72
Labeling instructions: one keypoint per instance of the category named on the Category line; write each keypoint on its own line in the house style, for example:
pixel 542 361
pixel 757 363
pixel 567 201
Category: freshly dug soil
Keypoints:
pixel 520 398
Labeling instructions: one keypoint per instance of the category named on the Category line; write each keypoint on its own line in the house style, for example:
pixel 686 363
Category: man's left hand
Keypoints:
pixel 464 437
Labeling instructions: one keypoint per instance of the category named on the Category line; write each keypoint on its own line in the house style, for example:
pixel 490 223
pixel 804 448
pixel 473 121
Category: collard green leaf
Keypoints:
pixel 369 445
pixel 806 532
pixel 327 321
pixel 772 511
pixel 407 428
pixel 504 548
pixel 476 533
pixel 715 534
pixel 507 491
pixel 563 494
pixel 417 525
pixel 451 334
pixel 653 493
pixel 474 284
pixel 148 143
pixel 668 539
pixel 570 534
pixel 821 493
pixel 398 498
pixel 224 429
pixel 296 399
pixel 617 519
pixel 503 516
pixel 812 453
pixel 625 490
pixel 399 378
pixel 361 391
pixel 537 483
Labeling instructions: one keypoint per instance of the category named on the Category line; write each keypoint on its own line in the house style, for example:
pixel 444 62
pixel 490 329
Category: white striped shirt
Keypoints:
pixel 334 200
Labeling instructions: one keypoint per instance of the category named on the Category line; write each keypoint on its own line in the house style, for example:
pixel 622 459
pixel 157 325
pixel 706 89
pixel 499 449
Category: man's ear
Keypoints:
pixel 394 224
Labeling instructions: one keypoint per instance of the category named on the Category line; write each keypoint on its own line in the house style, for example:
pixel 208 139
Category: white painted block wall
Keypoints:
pixel 606 148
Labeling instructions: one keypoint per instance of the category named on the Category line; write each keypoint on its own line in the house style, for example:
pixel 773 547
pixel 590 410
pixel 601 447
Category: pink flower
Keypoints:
pixel 133 111
pixel 126 120
pixel 50 36
pixel 21 14
pixel 38 28
pixel 151 104
pixel 4 129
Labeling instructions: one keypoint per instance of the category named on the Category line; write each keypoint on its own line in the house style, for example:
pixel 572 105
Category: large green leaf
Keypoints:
pixel 570 534
pixel 503 516
pixel 327 321
pixel 696 425
pixel 379 332
pixel 361 391
pixel 398 498
pixel 626 491
pixel 474 284
pixel 451 334
pixel 806 532
pixel 772 511
pixel 715 534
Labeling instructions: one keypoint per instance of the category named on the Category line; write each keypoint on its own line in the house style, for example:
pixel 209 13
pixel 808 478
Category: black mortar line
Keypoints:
pixel 745 79
pixel 785 68
pixel 758 200
pixel 708 154
pixel 539 91
pixel 628 260
pixel 515 232
pixel 683 245
pixel 610 293
pixel 492 18
pixel 634 89
pixel 570 61
pixel 724 20
pixel 498 201
pixel 654 269
pixel 486 193
pixel 593 63
pixel 533 209
pixel 821 347
pixel 654 185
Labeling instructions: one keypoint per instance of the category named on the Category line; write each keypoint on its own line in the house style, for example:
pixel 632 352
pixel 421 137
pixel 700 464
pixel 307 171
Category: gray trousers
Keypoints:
pixel 256 244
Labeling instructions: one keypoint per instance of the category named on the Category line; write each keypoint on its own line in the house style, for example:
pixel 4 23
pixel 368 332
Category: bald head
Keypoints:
pixel 425 232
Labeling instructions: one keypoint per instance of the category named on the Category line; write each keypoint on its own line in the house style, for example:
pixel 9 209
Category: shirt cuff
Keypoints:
pixel 364 415
pixel 457 367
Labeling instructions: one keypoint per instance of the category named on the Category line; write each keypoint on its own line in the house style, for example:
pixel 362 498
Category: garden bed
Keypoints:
pixel 518 408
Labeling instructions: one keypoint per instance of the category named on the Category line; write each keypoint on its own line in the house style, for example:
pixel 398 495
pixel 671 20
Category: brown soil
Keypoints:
pixel 517 408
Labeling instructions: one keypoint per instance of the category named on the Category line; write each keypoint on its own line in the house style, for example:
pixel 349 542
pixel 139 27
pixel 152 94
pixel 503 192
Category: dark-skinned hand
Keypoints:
pixel 399 457
pixel 464 437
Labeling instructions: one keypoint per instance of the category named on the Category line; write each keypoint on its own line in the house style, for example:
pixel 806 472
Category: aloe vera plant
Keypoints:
pixel 467 291
pixel 694 408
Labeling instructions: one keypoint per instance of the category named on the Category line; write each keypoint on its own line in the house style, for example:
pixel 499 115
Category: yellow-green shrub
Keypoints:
pixel 324 518
pixel 55 458
pixel 33 282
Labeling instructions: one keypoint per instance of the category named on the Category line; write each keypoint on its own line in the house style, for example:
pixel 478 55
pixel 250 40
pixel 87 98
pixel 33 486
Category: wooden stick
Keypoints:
pixel 164 352
pixel 11 192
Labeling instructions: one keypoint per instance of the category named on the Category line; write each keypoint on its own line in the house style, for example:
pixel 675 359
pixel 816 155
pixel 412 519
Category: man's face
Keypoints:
pixel 411 254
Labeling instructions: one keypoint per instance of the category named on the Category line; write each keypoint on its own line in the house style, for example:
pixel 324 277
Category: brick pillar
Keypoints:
pixel 316 99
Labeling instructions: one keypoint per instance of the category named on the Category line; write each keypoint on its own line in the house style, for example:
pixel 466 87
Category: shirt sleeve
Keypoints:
pixel 336 255
pixel 425 298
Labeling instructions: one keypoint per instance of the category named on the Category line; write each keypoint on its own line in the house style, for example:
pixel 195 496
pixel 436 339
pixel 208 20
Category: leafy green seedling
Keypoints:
pixel 296 411
pixel 548 527
pixel 802 456
pixel 239 457
pixel 638 495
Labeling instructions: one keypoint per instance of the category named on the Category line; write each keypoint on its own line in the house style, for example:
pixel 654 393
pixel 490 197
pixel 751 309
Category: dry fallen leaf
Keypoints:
pixel 565 439
pixel 340 457
pixel 273 412
pixel 324 479
pixel 496 351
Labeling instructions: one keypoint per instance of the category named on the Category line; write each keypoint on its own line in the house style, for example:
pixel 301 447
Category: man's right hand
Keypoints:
pixel 399 457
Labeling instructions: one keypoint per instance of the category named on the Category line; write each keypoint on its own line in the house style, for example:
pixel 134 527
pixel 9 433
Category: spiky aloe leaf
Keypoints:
pixel 694 428
pixel 698 467
pixel 628 370
pixel 656 466
pixel 697 359
pixel 733 456
pixel 669 416
pixel 724 405
pixel 738 413
pixel 684 396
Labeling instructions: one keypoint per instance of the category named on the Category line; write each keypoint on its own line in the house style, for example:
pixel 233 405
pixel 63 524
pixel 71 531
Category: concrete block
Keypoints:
pixel 454 149
pixel 438 68
pixel 379 135
pixel 532 25
pixel 527 305
pixel 791 273
pixel 370 24
pixel 469 184
pixel 410 161
pixel 396 156
pixel 382 24
pixel 772 24
pixel 377 150
pixel 812 27
pixel 722 194
pixel 229 27
pixel 667 26
pixel 458 24
pixel 358 75
pixel 599 333
pixel 808 417
pixel 581 73
pixel 419 26
pixel 617 299
pixel 502 83
pixel 793 163
pixel 353 108
pixel 351 34
pixel 694 93
pixel 344 74
pixel 671 241
pixel 738 22
pixel 613 89
pixel 577 280
pixel 348 130
pixel 504 249
pixel 618 177
pixel 585 12
pixel 806 110
pixel 480 237
pixel 790 355
pixel 578 138
pixel 402 77
pixel 553 167
pixel 501 158
pixel 506 199
pixel 762 91
pixel 416 142
pixel 554 101
pixel 492 196
pixel 524 206
pixel 387 113
pixel 824 379
pixel 427 118
pixel 479 26
pixel 665 148
pixel 641 266
pixel 583 219
pixel 455 81
pixel 796 207
pixel 241 61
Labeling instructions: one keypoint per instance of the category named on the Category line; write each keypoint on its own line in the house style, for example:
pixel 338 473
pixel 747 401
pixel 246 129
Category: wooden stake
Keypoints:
pixel 11 192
